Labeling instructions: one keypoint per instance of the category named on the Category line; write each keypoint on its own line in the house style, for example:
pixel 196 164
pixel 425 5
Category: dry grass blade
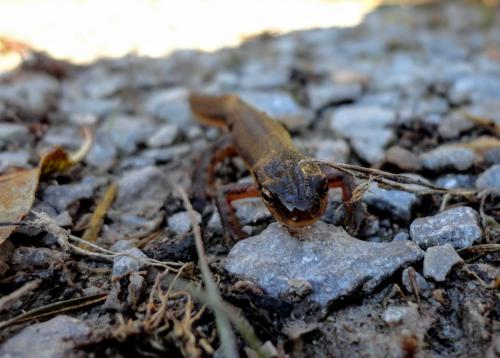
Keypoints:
pixel 390 180
pixel 474 252
pixel 55 308
pixel 241 324
pixel 226 334
pixel 100 211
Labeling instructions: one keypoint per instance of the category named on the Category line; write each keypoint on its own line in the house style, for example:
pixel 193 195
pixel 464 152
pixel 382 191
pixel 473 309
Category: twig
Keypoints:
pixel 223 326
pixel 55 308
pixel 100 211
pixel 7 301
pixel 395 179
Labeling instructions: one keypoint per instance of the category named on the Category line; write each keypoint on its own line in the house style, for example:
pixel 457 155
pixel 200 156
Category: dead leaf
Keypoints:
pixel 17 189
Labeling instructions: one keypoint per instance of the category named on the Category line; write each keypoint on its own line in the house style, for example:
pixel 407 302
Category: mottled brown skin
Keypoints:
pixel 294 192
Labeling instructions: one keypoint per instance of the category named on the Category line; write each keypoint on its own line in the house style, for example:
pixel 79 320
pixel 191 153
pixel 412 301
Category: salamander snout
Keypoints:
pixel 296 204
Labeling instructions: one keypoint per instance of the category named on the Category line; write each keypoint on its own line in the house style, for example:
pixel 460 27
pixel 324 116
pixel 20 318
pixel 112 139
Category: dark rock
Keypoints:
pixel 29 258
pixel 458 227
pixel 439 260
pixel 398 203
pixel 179 248
pixel 336 264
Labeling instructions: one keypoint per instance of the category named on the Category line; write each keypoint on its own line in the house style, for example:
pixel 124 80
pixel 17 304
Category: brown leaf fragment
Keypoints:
pixel 17 189
pixel 17 194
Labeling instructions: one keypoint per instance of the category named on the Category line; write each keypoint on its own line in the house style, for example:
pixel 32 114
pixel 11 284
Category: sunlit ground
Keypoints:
pixel 83 30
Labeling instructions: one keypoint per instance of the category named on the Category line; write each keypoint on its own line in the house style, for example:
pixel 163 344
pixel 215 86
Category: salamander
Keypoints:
pixel 295 192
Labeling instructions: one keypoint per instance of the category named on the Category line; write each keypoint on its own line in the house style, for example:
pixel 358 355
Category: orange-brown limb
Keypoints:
pixel 204 175
pixel 346 183
pixel 225 196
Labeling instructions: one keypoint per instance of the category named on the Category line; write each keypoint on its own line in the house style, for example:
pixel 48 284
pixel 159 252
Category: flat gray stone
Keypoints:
pixel 128 263
pixel 455 181
pixel 147 183
pixel 439 260
pixel 490 179
pixel 63 196
pixel 279 105
pixel 334 263
pixel 171 106
pixel 458 227
pixel 448 157
pixel 126 132
pixel 398 203
pixel 17 159
pixel 323 94
pixel 55 338
pixel 164 136
pixel 333 150
pixel 12 132
pixel 367 127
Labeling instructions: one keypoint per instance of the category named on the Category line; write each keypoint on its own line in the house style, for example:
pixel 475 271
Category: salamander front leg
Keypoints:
pixel 344 181
pixel 225 196
pixel 202 187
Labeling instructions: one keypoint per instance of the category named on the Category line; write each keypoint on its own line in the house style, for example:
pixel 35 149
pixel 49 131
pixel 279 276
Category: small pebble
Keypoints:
pixel 439 260
pixel 424 287
pixel 164 136
pixel 128 263
pixel 490 179
pixel 181 223
pixel 458 226
pixel 448 158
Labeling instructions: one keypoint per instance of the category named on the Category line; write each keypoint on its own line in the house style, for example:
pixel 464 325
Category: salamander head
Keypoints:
pixel 295 194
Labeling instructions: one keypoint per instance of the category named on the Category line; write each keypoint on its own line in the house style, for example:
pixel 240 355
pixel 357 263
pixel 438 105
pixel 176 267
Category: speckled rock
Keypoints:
pixel 334 263
pixel 55 338
pixel 181 222
pixel 398 203
pixel 30 258
pixel 448 157
pixel 490 179
pixel 439 260
pixel 127 263
pixel 458 227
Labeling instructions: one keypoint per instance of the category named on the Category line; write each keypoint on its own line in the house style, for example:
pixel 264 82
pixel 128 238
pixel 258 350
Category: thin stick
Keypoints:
pixel 100 212
pixel 7 301
pixel 223 326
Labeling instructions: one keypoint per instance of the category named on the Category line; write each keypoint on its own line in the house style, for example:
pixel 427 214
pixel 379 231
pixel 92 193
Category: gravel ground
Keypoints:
pixel 412 90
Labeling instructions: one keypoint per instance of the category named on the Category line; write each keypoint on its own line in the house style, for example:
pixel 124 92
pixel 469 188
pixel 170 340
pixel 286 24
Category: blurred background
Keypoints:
pixel 83 30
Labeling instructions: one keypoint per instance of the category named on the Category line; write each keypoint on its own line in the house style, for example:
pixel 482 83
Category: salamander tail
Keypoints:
pixel 211 110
